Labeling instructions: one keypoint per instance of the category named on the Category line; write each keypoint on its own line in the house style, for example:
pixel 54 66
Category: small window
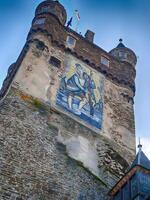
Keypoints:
pixel 39 21
pixel 105 61
pixel 55 62
pixel 45 9
pixel 71 42
pixel 122 55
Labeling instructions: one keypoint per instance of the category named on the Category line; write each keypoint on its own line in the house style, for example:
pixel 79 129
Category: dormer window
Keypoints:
pixel 39 21
pixel 105 61
pixel 71 41
pixel 55 62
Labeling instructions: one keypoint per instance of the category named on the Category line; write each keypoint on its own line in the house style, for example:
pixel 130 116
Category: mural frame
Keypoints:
pixel 85 102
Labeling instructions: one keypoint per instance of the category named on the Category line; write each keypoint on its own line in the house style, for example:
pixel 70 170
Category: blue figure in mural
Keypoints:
pixel 81 93
pixel 81 85
pixel 90 93
pixel 75 87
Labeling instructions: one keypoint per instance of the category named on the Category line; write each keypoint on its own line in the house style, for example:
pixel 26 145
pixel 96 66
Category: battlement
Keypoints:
pixel 118 70
pixel 118 65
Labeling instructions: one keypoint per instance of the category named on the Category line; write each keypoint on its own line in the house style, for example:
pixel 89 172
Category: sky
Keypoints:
pixel 110 20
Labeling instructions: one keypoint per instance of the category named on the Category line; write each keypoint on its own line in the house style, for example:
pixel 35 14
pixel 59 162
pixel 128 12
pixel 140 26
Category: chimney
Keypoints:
pixel 89 36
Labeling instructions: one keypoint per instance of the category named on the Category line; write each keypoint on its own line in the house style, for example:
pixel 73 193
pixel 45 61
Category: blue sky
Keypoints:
pixel 110 20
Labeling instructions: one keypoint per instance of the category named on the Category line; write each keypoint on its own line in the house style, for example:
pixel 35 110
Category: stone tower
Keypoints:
pixel 66 114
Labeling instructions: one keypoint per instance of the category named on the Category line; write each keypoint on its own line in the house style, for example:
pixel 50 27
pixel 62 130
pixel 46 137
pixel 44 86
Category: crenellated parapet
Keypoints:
pixel 118 70
pixel 118 65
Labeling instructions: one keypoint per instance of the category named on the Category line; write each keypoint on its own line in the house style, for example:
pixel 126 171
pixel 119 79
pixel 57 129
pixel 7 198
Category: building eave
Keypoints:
pixel 126 178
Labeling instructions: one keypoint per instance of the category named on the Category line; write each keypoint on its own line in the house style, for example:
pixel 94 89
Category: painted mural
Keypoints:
pixel 81 92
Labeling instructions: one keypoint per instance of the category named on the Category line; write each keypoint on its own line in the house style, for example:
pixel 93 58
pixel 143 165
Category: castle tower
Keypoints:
pixel 124 54
pixel 66 114
pixel 49 8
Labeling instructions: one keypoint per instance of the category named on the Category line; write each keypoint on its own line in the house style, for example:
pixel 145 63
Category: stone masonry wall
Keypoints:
pixel 40 79
pixel 37 164
pixel 47 154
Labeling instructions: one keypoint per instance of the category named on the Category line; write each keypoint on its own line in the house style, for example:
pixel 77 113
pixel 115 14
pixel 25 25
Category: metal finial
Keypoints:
pixel 120 40
pixel 140 146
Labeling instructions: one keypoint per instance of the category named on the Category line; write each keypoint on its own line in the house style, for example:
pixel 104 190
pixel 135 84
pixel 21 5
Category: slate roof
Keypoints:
pixel 142 160
pixel 121 45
